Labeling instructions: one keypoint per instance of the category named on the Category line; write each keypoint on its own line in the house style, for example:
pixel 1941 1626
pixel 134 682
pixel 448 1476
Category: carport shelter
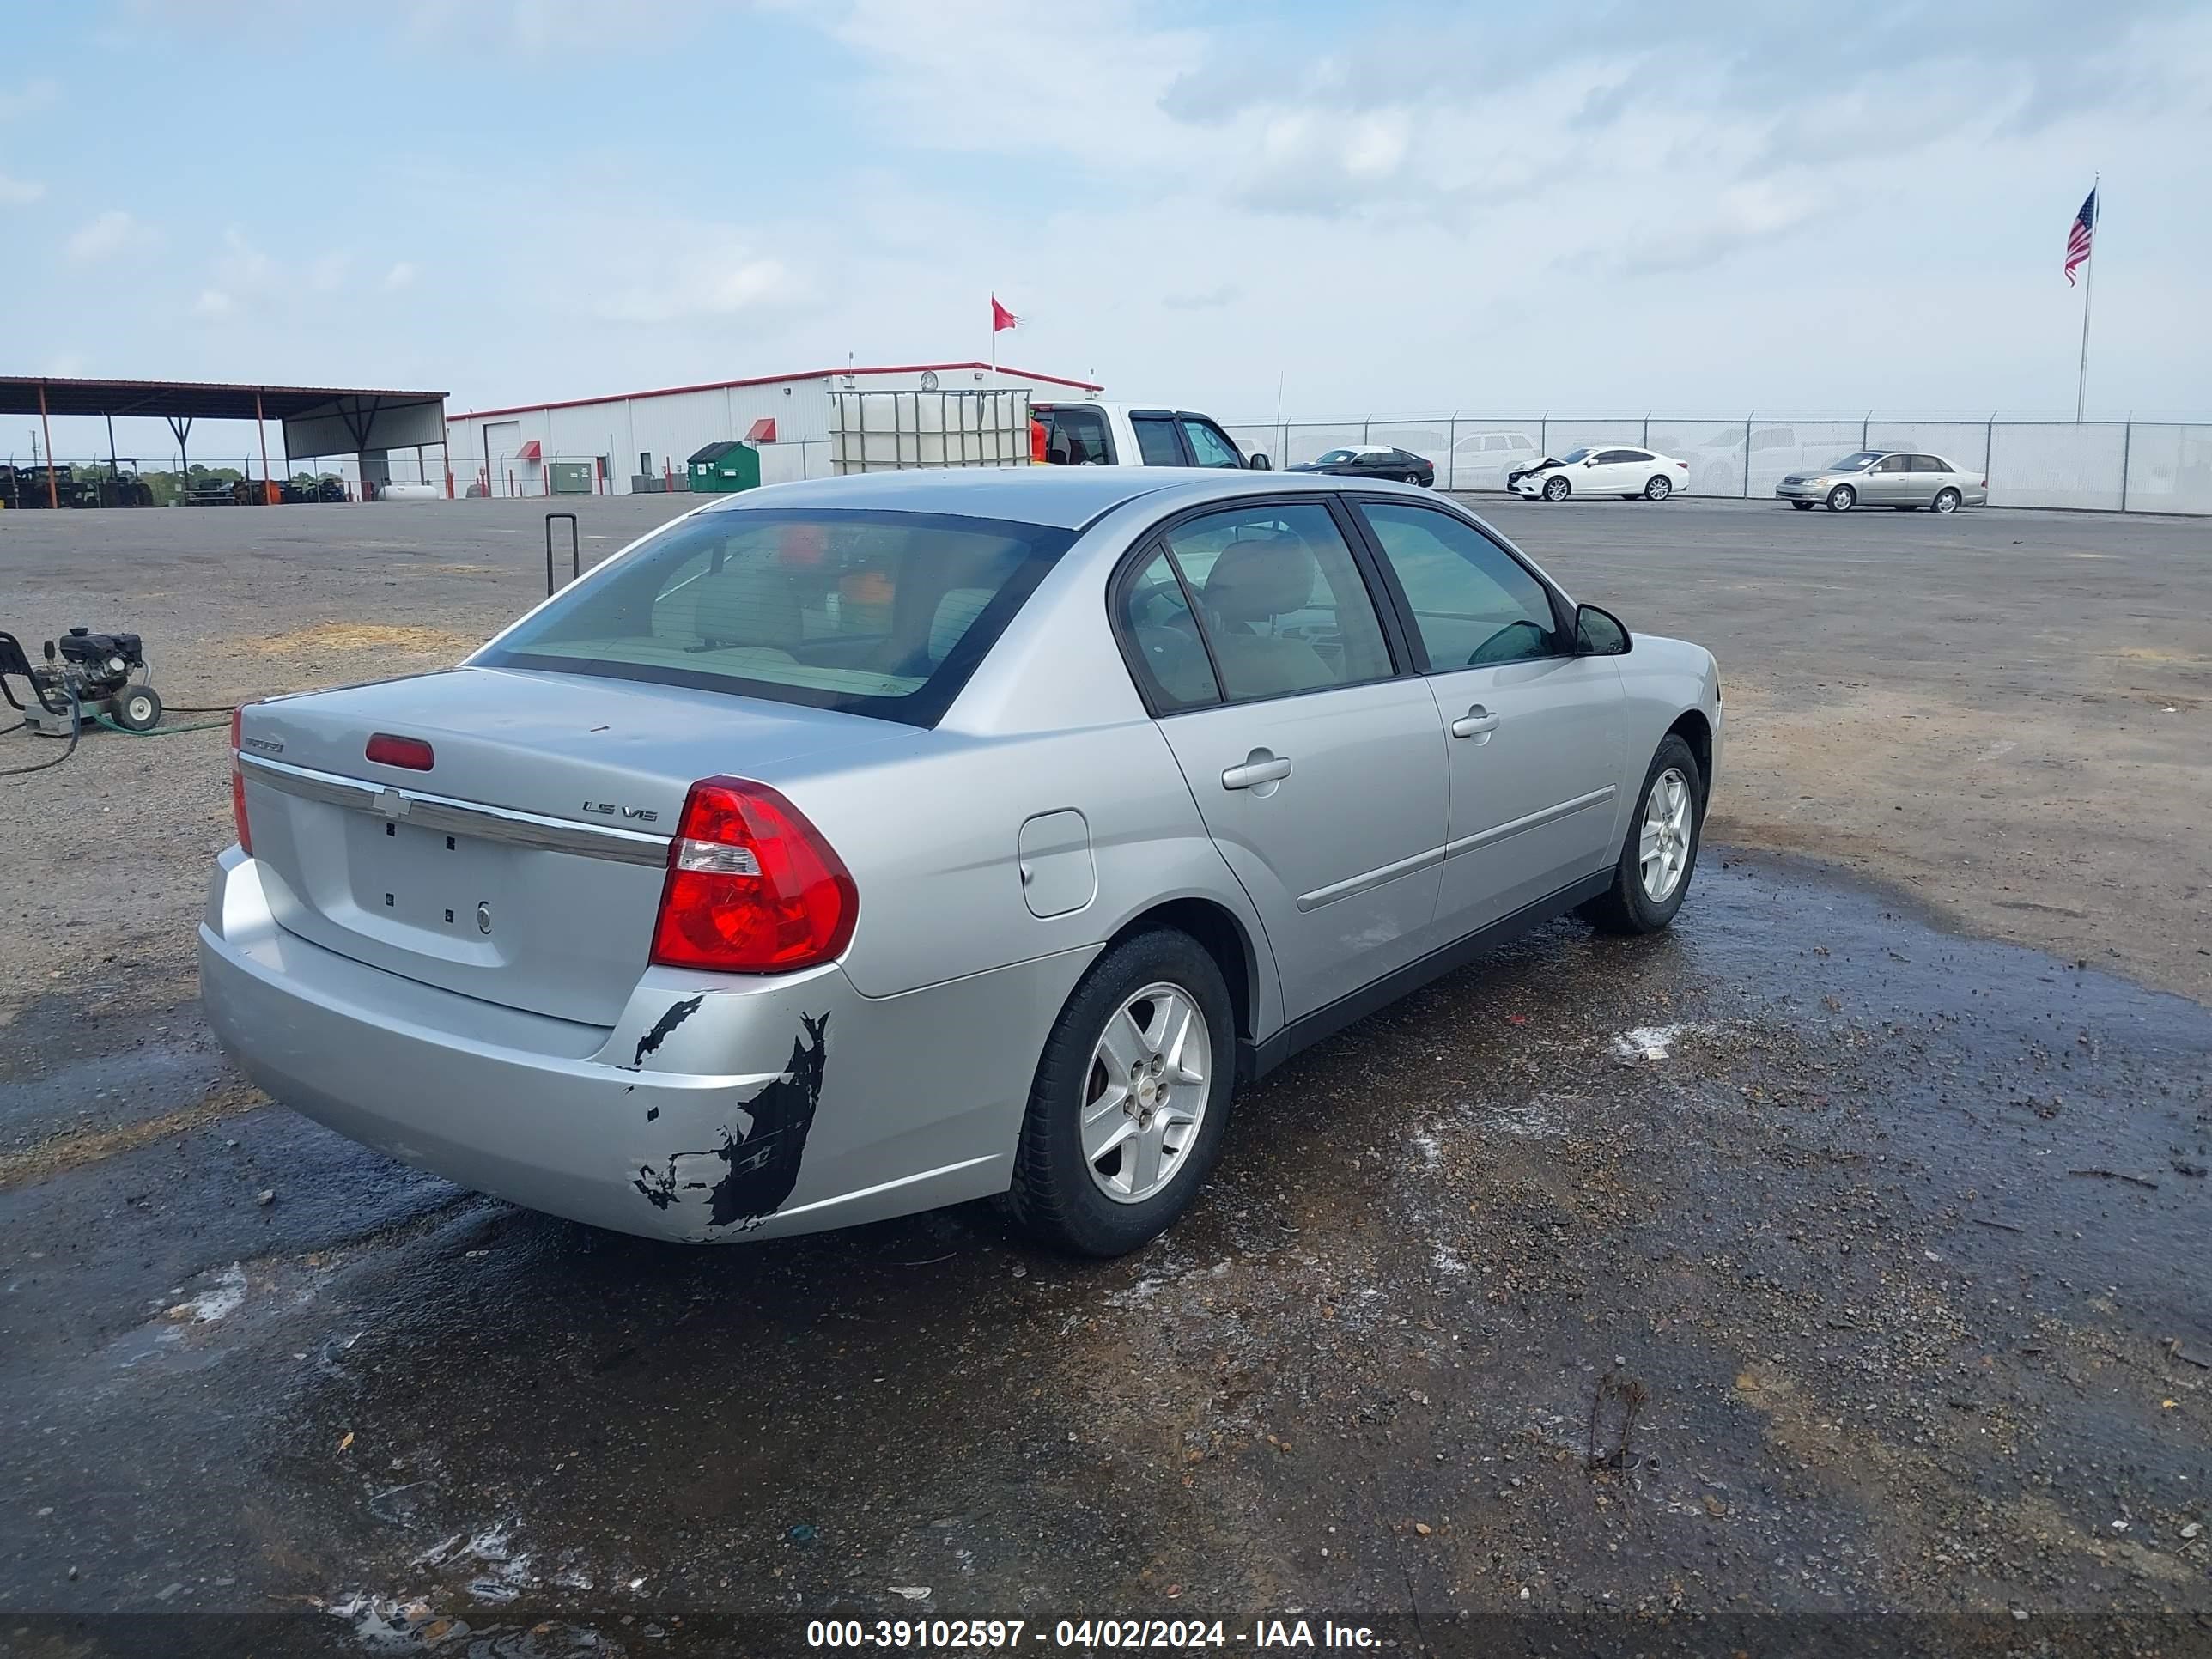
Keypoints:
pixel 316 420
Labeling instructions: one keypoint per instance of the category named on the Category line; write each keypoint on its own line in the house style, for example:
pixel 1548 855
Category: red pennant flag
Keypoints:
pixel 1001 317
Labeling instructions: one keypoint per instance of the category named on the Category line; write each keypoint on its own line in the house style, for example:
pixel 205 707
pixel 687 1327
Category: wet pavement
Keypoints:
pixel 1760 1284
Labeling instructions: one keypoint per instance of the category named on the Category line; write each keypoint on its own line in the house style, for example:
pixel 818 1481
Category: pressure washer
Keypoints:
pixel 86 679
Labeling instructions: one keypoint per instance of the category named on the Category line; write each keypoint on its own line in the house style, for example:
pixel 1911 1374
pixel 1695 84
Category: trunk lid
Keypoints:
pixel 525 865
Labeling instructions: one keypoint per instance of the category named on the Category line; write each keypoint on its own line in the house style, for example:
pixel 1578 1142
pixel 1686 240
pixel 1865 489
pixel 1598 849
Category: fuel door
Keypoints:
pixel 1057 873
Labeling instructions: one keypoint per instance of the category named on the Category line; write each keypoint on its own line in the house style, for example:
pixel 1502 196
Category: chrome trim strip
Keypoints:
pixel 527 830
pixel 1534 821
pixel 1371 880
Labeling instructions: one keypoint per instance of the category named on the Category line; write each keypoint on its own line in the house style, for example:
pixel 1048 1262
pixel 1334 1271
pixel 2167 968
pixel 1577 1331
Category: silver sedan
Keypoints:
pixel 852 847
pixel 1886 478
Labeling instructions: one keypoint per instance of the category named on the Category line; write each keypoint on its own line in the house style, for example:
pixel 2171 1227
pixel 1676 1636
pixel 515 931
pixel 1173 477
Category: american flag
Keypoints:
pixel 2077 239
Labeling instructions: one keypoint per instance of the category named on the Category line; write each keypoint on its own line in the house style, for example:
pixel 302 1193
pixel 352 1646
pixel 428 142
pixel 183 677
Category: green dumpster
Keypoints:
pixel 721 469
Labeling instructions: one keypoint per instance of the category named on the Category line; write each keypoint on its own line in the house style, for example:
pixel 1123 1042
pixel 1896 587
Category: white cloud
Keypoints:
pixel 18 192
pixel 111 233
pixel 28 98
pixel 214 303
pixel 696 290
pixel 400 275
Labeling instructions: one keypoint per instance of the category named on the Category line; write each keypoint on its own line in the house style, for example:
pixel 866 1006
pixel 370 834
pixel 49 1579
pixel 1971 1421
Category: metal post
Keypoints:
pixel 1647 428
pixel 1451 452
pixel 1544 435
pixel 2088 282
pixel 1990 446
pixel 1746 457
pixel 484 426
pixel 1865 425
pixel 267 495
pixel 53 492
pixel 2127 444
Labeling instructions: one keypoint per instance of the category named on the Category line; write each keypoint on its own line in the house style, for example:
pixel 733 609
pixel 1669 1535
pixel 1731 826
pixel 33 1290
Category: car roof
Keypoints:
pixel 1067 497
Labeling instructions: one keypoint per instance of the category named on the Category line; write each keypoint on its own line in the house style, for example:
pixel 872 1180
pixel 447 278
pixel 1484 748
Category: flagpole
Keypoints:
pixel 2088 287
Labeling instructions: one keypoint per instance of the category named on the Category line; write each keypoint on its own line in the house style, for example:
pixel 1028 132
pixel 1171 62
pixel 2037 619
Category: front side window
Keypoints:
pixel 1472 604
pixel 1156 440
pixel 1282 605
pixel 1211 448
pixel 869 612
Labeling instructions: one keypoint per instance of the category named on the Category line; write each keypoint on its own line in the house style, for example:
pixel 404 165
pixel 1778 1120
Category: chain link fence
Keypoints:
pixel 2130 466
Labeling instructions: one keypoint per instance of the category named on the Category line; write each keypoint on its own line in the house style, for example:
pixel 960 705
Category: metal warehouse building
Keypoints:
pixel 641 441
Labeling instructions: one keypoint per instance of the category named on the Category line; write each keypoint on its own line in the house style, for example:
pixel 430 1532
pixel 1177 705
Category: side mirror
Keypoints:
pixel 1257 464
pixel 1600 633
pixel 1589 463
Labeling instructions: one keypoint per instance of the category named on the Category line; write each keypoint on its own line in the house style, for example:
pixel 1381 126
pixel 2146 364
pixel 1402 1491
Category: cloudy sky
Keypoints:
pixel 1379 209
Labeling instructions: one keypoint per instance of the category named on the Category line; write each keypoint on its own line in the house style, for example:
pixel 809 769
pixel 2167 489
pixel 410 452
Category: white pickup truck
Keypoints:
pixel 881 431
pixel 1136 434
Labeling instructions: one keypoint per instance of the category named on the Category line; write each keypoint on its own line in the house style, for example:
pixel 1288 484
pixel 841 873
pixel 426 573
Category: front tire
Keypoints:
pixel 1660 853
pixel 1557 488
pixel 1842 499
pixel 1947 501
pixel 1659 488
pixel 1131 1101
pixel 1802 506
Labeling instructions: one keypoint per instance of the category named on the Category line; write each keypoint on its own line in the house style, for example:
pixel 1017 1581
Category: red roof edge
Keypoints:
pixel 766 379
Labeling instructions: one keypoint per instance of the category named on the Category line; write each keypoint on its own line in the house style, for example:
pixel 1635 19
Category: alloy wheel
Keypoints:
pixel 1663 850
pixel 1146 1093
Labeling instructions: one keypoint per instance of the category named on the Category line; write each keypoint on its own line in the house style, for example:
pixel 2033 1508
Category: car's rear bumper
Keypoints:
pixel 718 1107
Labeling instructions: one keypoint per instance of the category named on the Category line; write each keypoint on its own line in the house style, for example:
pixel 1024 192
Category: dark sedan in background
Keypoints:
pixel 1374 461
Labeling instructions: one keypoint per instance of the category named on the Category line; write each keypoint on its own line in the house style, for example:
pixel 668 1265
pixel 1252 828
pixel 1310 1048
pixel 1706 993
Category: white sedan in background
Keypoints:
pixel 1626 471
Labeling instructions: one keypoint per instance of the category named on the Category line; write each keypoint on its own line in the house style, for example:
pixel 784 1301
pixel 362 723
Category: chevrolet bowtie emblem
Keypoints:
pixel 392 804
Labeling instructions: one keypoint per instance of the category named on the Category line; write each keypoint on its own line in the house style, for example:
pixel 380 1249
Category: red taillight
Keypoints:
pixel 238 782
pixel 752 887
pixel 412 753
pixel 1685 465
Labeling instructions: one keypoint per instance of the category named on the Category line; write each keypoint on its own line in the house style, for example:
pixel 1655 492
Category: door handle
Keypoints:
pixel 1477 722
pixel 1260 767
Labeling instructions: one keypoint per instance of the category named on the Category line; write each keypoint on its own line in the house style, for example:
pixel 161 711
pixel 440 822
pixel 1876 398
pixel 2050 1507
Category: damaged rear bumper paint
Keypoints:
pixel 718 1107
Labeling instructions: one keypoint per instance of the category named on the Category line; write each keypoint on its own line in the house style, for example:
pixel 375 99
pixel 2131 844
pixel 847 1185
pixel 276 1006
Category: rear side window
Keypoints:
pixel 1473 604
pixel 1283 605
pixel 871 613
pixel 1156 440
pixel 1166 651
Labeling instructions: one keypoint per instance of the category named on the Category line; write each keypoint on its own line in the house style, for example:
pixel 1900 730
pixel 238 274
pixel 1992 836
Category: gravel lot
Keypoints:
pixel 1876 1188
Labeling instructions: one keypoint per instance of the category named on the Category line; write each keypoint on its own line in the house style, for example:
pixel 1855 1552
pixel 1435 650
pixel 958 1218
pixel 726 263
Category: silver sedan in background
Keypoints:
pixel 1886 478
pixel 850 848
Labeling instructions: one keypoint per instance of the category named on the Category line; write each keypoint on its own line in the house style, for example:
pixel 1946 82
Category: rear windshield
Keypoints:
pixel 869 612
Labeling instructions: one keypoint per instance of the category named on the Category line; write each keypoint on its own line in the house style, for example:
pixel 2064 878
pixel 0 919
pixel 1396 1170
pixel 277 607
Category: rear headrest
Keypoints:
pixel 1254 581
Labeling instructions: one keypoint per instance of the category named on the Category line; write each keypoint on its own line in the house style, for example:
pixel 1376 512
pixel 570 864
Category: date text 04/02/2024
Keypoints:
pixel 1085 1634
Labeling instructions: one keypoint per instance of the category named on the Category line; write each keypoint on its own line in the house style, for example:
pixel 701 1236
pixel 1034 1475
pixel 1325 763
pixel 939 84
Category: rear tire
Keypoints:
pixel 1658 489
pixel 1061 1195
pixel 138 708
pixel 1947 501
pixel 1842 499
pixel 1644 896
pixel 1557 488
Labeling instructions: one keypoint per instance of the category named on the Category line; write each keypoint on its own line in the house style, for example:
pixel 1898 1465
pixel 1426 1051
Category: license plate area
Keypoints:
pixel 415 885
